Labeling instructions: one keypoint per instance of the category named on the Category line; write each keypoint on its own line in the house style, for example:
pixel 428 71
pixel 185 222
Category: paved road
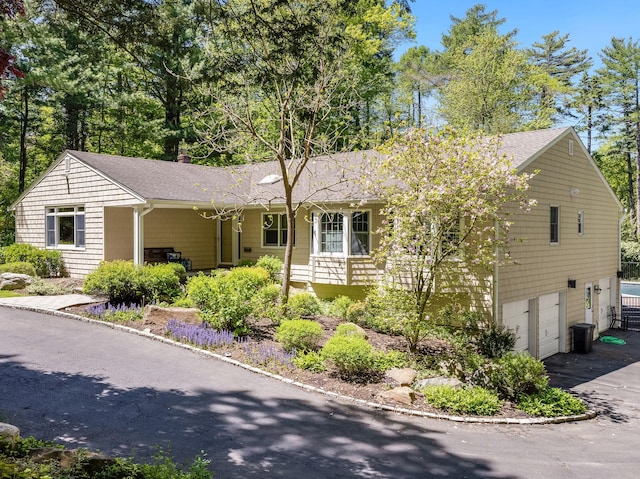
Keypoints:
pixel 95 387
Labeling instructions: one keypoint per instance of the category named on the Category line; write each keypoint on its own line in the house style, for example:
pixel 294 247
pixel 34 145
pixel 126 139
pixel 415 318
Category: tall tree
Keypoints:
pixel 563 64
pixel 418 76
pixel 620 80
pixel 8 10
pixel 288 81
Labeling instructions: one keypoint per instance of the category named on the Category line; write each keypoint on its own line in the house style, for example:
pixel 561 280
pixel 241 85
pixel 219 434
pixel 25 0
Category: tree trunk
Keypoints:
pixel 24 123
pixel 288 251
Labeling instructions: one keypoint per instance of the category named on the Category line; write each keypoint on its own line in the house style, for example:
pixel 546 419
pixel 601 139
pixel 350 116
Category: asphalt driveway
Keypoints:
pixel 95 387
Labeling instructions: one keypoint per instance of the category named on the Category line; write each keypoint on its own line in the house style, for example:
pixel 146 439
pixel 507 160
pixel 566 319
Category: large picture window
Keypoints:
pixel 341 233
pixel 274 230
pixel 65 227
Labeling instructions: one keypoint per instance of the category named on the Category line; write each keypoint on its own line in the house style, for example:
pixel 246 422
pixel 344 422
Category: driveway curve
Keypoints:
pixel 95 387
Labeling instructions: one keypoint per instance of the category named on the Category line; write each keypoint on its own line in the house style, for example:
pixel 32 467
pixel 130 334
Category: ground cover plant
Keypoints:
pixel 19 461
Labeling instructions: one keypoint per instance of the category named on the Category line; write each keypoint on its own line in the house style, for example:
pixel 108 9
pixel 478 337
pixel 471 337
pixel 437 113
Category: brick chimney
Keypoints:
pixel 183 157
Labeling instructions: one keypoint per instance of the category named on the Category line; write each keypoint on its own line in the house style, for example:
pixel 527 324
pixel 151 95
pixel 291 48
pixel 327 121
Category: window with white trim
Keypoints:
pixel 65 227
pixel 341 233
pixel 580 223
pixel 274 230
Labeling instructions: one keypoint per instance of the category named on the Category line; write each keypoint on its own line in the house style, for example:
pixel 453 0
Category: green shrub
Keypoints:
pixel 517 374
pixel 391 359
pixel 225 300
pixel 303 305
pixel 18 267
pixel 491 340
pixel 123 283
pixel 266 303
pixel 340 307
pixel 351 355
pixel 376 313
pixel 356 312
pixel 474 400
pixel 630 251
pixel 311 361
pixel 551 402
pixel 350 329
pixel 48 263
pixel 40 287
pixel 299 334
pixel 183 302
pixel 273 265
pixel 246 262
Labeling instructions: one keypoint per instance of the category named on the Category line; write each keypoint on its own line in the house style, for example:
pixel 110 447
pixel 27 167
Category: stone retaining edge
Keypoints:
pixel 590 414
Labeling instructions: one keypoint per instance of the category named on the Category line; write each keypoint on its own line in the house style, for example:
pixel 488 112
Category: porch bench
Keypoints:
pixel 162 255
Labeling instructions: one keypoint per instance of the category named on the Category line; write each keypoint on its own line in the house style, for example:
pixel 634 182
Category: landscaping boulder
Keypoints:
pixel 156 315
pixel 9 434
pixel 402 395
pixel 92 463
pixel 11 281
pixel 401 376
pixel 439 381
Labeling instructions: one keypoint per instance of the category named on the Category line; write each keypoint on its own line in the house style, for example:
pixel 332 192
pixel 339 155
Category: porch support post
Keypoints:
pixel 138 234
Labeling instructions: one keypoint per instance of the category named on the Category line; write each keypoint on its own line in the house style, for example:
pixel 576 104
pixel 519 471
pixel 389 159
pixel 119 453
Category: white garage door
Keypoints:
pixel 515 317
pixel 604 301
pixel 549 325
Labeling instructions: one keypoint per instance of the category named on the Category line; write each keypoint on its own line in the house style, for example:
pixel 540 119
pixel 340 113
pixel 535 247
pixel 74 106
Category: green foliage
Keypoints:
pixel 40 287
pixel 272 264
pixel 517 374
pixel 630 251
pixel 391 359
pixel 311 361
pixel 299 334
pixel 339 307
pixel 551 402
pixel 266 303
pixel 491 340
pixel 123 283
pixel 474 400
pixel 19 267
pixel 304 305
pixel 47 263
pixel 377 312
pixel 351 355
pixel 357 312
pixel 225 299
pixel 183 302
pixel 350 329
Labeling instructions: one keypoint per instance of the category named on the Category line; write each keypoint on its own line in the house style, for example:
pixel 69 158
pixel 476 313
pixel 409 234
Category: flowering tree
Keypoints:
pixel 444 216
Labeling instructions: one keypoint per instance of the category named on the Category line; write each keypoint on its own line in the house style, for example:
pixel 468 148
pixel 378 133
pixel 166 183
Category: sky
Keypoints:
pixel 589 23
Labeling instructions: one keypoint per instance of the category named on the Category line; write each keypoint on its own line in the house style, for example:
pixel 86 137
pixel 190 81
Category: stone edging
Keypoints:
pixel 590 414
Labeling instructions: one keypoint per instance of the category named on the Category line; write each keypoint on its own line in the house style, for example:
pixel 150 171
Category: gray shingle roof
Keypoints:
pixel 326 178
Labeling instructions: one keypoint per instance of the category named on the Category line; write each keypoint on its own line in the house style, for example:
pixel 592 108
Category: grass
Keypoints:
pixel 8 294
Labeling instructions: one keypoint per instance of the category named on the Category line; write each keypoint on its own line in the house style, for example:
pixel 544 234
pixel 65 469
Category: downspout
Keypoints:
pixel 139 213
pixel 618 297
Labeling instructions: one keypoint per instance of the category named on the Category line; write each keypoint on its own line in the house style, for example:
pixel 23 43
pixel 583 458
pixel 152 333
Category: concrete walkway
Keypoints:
pixel 48 303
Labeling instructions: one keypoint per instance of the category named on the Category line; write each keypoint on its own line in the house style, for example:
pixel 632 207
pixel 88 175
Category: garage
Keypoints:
pixel 548 325
pixel 515 317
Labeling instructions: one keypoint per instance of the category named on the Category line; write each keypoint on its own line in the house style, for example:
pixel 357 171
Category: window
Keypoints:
pixel 341 233
pixel 65 227
pixel 580 223
pixel 554 223
pixel 274 230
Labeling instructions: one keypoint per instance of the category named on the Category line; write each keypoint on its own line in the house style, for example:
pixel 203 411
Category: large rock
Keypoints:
pixel 11 281
pixel 401 376
pixel 439 381
pixel 9 434
pixel 159 316
pixel 402 395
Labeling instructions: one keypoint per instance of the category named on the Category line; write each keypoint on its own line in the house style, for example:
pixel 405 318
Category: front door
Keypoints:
pixel 588 303
pixel 226 242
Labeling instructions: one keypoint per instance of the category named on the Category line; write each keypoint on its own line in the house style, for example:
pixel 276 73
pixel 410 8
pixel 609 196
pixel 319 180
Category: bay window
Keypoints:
pixel 341 233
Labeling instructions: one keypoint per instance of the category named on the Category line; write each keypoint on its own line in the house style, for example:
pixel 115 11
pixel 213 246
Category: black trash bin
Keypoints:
pixel 582 337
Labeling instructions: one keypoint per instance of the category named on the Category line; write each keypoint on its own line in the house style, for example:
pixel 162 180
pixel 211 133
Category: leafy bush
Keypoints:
pixel 474 400
pixel 122 282
pixel 310 360
pixel 265 303
pixel 517 374
pixel 340 307
pixel 303 305
pixel 377 313
pixel 630 251
pixel 40 287
pixel 183 302
pixel 491 340
pixel 357 312
pixel 350 329
pixel 225 300
pixel 551 402
pixel 299 334
pixel 47 263
pixel 391 359
pixel 246 262
pixel 273 265
pixel 18 267
pixel 351 355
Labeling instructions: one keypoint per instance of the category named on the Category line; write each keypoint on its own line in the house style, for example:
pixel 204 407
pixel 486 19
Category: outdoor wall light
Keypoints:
pixel 597 289
pixel 574 192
